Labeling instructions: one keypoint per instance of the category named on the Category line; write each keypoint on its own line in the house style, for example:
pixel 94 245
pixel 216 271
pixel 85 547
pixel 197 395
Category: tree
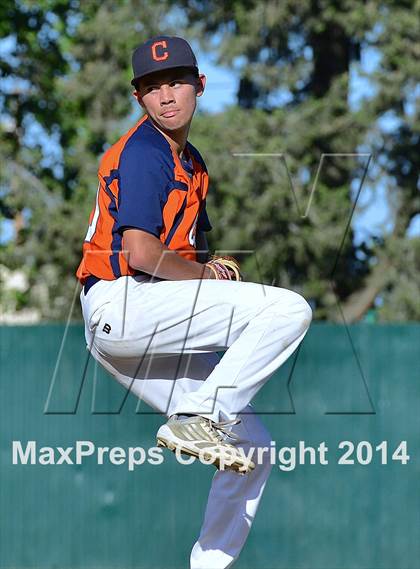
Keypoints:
pixel 69 97
pixel 295 62
pixel 68 81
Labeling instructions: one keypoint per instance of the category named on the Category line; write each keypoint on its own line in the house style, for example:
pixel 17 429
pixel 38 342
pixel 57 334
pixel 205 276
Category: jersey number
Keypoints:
pixel 92 225
pixel 193 231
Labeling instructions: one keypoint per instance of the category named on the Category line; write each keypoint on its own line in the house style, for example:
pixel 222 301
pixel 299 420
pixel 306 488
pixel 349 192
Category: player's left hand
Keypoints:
pixel 225 267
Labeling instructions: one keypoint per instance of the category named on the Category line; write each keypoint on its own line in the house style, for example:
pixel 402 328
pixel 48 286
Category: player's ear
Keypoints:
pixel 137 96
pixel 200 85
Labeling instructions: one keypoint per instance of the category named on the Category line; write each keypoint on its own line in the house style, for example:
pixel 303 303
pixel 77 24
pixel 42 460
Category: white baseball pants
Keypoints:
pixel 160 338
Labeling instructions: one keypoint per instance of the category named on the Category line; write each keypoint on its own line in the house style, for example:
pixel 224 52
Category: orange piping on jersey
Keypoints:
pixel 197 190
pixel 173 204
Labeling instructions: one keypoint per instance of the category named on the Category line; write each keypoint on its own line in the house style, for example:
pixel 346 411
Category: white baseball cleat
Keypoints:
pixel 206 440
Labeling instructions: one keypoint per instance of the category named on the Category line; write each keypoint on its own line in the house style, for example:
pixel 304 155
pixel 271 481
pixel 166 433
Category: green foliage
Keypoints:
pixel 256 207
pixel 66 95
pixel 400 299
pixel 71 80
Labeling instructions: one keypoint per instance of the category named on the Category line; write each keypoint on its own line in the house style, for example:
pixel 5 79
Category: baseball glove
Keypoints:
pixel 225 268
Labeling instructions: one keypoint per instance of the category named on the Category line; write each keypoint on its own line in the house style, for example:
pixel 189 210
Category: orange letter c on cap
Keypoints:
pixel 163 53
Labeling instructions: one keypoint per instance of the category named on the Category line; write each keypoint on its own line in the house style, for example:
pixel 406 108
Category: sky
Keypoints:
pixel 221 91
pixel 220 88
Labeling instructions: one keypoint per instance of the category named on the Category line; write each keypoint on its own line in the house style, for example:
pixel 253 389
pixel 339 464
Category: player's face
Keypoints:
pixel 169 97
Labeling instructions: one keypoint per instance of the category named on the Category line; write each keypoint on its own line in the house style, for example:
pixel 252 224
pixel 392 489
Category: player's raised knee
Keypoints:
pixel 300 310
pixel 306 312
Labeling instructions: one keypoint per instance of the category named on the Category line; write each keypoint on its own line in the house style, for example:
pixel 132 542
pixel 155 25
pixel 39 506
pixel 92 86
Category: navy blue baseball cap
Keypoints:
pixel 162 52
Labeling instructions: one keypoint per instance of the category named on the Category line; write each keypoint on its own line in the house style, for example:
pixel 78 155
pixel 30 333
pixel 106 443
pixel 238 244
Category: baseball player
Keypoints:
pixel 158 309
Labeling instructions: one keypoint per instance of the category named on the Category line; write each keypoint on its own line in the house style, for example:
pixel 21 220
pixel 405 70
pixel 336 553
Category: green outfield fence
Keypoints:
pixel 359 384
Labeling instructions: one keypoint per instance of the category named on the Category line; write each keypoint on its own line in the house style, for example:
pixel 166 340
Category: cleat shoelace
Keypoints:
pixel 219 431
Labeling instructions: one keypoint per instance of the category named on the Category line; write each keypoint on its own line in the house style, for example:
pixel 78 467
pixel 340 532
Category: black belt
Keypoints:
pixel 89 282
